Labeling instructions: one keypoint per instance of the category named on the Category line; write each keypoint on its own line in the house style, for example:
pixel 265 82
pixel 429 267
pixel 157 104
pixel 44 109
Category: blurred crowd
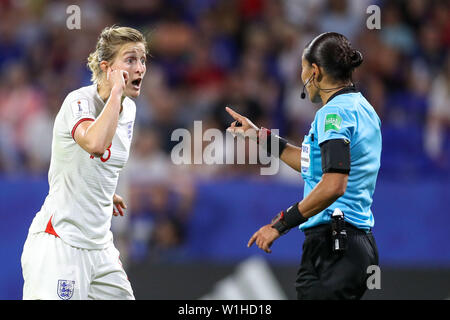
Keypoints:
pixel 206 54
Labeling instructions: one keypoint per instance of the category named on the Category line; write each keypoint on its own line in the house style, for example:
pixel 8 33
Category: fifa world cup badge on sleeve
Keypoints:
pixel 80 108
pixel 65 289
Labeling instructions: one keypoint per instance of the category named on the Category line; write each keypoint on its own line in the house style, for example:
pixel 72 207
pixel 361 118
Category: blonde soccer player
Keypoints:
pixel 69 251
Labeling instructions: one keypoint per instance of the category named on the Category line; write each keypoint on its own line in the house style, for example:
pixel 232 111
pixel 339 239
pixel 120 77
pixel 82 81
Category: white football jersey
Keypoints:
pixel 80 198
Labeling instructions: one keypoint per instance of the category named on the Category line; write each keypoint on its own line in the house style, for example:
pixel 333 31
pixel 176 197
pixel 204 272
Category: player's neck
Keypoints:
pixel 104 92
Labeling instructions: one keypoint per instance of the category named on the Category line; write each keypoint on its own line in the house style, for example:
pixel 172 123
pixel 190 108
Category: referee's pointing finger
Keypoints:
pixel 234 114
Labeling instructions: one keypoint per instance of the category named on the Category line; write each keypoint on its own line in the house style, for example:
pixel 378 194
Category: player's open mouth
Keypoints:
pixel 136 83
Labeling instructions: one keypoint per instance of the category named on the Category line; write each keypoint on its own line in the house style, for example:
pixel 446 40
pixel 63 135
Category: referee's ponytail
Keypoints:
pixel 333 52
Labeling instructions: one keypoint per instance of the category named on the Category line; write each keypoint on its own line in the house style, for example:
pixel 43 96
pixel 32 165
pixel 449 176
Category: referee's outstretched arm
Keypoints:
pixel 290 156
pixel 290 153
pixel 331 186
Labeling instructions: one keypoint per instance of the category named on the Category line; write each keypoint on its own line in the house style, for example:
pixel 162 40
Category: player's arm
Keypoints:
pixel 96 136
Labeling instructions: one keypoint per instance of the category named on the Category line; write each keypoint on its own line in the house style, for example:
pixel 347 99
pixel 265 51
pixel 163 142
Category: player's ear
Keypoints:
pixel 104 66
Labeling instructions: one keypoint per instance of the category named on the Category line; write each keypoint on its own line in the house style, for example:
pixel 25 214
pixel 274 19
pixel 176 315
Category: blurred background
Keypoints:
pixel 185 233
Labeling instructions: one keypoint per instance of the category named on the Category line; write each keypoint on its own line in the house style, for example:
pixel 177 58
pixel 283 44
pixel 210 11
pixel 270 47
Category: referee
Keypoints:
pixel 339 162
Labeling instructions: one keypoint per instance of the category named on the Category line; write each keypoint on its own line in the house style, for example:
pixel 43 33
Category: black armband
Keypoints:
pixel 266 139
pixel 286 220
pixel 335 156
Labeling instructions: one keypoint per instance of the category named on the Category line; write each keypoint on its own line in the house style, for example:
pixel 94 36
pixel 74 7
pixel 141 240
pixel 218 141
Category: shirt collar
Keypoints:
pixel 348 89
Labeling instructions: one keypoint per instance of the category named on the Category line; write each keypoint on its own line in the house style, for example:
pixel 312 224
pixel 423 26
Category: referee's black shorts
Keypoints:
pixel 324 274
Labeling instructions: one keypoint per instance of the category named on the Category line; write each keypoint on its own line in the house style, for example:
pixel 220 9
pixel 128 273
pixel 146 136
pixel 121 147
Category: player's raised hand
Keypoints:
pixel 117 78
pixel 241 123
pixel 118 205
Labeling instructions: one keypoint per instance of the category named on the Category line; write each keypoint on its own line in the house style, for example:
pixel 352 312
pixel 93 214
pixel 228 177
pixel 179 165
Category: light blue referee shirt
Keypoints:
pixel 346 115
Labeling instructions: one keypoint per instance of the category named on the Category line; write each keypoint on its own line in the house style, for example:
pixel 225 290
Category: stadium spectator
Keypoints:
pixel 438 118
pixel 209 53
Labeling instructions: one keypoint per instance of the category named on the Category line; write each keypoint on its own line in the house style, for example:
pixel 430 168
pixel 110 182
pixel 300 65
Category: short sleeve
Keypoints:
pixel 77 109
pixel 334 123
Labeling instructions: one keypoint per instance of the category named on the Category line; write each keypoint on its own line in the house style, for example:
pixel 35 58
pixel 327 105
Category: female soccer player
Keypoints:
pixel 339 161
pixel 69 252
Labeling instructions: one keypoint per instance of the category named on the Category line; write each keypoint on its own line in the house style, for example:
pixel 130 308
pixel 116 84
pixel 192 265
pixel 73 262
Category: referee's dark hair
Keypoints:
pixel 333 52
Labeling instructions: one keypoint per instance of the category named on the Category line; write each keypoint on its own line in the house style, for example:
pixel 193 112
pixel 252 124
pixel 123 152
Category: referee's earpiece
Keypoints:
pixel 303 95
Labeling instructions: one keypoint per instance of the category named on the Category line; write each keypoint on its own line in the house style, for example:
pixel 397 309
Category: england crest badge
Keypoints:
pixel 130 129
pixel 65 289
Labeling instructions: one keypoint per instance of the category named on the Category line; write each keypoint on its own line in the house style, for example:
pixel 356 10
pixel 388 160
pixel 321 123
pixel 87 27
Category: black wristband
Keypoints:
pixel 286 220
pixel 266 139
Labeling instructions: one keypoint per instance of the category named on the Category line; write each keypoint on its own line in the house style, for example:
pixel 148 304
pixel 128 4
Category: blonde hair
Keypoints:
pixel 108 45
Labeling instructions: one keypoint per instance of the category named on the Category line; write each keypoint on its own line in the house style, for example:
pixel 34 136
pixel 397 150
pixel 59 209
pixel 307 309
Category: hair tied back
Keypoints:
pixel 356 58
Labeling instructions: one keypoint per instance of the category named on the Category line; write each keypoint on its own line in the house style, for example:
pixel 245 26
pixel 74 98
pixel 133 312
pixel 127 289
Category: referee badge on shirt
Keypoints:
pixel 305 157
pixel 65 289
pixel 80 108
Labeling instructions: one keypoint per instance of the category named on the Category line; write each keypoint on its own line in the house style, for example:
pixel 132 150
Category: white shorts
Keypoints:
pixel 54 270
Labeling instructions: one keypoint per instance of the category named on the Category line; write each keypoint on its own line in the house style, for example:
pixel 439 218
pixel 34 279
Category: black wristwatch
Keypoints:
pixel 279 224
pixel 286 220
